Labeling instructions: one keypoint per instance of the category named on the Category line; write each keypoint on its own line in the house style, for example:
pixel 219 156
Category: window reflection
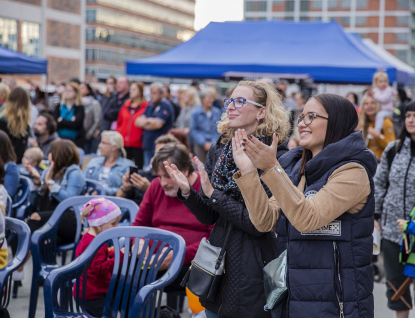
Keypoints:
pixel 8 33
pixel 152 11
pixel 124 39
pixel 30 39
pixel 134 24
pixel 112 56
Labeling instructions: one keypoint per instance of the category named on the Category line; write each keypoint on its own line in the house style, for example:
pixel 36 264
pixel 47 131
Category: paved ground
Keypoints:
pixel 19 307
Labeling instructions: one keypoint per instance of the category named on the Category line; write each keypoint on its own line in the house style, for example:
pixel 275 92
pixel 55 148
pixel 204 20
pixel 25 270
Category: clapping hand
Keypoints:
pixel 242 161
pixel 204 178
pixel 178 177
pixel 262 156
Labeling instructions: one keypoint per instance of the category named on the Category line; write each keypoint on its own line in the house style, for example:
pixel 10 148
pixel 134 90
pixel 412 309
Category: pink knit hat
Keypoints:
pixel 103 211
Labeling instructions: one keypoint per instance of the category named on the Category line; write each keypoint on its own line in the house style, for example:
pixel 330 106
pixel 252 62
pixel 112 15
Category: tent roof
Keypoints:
pixel 17 63
pixel 322 50
pixel 404 74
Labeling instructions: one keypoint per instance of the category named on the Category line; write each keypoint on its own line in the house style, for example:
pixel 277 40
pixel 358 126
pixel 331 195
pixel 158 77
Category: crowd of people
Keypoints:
pixel 262 170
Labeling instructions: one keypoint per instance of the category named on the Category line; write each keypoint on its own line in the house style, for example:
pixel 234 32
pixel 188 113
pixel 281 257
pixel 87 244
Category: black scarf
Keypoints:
pixel 225 168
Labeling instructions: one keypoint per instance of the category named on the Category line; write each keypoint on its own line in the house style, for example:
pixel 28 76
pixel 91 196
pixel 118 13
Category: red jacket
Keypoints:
pixel 125 124
pixel 99 272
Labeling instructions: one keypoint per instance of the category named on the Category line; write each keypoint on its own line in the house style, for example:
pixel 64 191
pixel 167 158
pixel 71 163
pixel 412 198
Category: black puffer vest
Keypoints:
pixel 329 269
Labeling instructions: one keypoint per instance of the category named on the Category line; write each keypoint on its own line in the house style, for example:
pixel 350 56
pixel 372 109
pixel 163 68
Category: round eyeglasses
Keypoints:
pixel 308 118
pixel 239 102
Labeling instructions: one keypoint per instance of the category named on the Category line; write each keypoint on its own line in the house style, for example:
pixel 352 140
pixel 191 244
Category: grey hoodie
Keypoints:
pixel 395 201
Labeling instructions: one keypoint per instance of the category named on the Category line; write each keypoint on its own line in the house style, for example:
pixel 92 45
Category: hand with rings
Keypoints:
pixel 263 157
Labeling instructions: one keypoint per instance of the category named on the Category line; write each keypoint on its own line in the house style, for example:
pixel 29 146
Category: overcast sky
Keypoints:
pixel 218 11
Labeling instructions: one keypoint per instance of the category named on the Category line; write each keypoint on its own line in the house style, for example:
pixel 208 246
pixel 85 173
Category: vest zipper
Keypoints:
pixel 286 183
pixel 339 293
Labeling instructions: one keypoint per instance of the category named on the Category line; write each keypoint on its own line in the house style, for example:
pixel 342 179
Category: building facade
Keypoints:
pixel 121 30
pixel 51 29
pixel 389 23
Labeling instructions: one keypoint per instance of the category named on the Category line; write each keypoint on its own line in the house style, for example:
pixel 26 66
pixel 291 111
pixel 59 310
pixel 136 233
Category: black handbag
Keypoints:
pixel 205 274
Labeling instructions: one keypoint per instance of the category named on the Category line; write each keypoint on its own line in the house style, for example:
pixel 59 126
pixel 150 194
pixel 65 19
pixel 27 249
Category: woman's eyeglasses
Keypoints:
pixel 239 102
pixel 308 118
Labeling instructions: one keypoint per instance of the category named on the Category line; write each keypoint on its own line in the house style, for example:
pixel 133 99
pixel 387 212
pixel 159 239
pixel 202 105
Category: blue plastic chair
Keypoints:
pixel 134 289
pixel 20 230
pixel 93 185
pixel 43 242
pixel 21 198
pixel 9 204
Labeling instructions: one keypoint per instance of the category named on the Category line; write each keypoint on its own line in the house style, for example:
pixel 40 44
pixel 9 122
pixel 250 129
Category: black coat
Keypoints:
pixel 19 143
pixel 110 108
pixel 248 250
pixel 77 124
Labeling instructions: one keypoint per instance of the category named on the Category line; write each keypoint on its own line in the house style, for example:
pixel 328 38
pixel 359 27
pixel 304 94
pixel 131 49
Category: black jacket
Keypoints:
pixel 247 252
pixel 19 143
pixel 77 124
pixel 110 108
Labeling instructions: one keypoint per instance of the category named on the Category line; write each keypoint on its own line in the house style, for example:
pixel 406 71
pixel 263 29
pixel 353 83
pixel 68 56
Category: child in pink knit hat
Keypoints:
pixel 101 214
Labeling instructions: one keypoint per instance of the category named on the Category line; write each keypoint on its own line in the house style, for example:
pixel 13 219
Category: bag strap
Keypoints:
pixel 223 250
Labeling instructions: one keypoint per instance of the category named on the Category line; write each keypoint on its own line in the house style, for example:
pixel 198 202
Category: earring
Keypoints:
pixel 257 118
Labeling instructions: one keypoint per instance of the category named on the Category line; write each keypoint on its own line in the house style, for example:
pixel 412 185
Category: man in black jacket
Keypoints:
pixel 112 105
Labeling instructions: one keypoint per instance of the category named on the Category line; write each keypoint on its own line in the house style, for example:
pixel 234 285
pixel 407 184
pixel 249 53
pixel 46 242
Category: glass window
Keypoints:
pixel 345 4
pixel 249 6
pixel 402 55
pixel 277 2
pixel 304 5
pixel 262 6
pixel 8 34
pixel 361 35
pixel 402 37
pixel 332 4
pixel 30 39
pixel 360 21
pixel 289 6
pixel 153 11
pixel 361 4
pixel 404 20
pixel 289 18
pixel 403 4
pixel 317 4
pixel 316 18
pixel 112 56
pixel 304 18
pixel 345 21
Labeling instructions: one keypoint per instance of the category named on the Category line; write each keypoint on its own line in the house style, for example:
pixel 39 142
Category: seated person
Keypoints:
pixel 32 156
pixel 45 132
pixel 162 209
pixel 134 188
pixel 8 157
pixel 109 168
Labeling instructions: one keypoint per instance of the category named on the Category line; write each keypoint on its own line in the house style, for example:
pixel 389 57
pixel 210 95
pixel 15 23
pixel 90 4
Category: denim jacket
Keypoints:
pixel 72 184
pixel 202 128
pixel 117 171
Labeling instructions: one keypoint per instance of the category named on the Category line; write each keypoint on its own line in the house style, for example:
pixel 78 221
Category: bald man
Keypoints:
pixel 111 107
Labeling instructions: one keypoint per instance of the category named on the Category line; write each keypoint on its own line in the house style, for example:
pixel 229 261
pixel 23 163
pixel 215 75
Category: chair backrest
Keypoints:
pixel 134 290
pixel 81 156
pixel 43 242
pixel 22 195
pixel 9 204
pixel 93 185
pixel 20 230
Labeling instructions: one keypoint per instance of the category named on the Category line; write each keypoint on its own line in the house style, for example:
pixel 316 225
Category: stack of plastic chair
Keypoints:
pixel 17 229
pixel 43 242
pixel 134 290
pixel 9 206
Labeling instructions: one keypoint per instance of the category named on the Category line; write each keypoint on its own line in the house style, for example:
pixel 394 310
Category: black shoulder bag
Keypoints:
pixel 205 274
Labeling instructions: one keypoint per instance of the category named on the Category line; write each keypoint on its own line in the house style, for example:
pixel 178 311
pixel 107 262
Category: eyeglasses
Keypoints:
pixel 238 102
pixel 308 118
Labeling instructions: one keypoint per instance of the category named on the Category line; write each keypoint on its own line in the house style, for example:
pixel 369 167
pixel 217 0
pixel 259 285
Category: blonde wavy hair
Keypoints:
pixel 193 97
pixel 115 139
pixel 363 119
pixel 377 76
pixel 78 97
pixel 17 112
pixel 276 118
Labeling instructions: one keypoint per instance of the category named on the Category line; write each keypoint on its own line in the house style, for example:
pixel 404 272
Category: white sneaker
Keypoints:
pixel 201 314
pixel 18 275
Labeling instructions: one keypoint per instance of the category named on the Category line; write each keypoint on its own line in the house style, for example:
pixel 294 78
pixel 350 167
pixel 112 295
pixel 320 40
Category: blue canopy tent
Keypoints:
pixel 404 74
pixel 17 63
pixel 322 50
